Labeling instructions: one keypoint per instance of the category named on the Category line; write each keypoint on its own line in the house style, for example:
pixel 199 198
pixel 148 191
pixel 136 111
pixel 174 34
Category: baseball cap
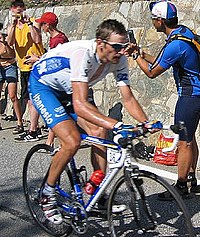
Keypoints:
pixel 164 9
pixel 48 17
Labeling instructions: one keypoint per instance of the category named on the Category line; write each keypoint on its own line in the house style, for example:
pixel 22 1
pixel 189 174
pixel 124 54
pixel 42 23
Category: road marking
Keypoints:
pixel 162 173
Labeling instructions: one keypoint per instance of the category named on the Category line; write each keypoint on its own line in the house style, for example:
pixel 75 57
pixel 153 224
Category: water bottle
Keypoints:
pixel 95 179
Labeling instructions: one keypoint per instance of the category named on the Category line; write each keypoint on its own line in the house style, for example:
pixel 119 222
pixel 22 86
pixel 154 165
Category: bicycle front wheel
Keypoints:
pixel 35 170
pixel 144 213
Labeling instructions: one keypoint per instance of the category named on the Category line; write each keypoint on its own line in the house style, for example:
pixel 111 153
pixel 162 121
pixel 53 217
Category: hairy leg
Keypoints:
pixel 69 139
pixel 98 153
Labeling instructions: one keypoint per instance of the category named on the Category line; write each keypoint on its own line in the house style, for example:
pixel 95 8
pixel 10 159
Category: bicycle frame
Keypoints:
pixel 116 157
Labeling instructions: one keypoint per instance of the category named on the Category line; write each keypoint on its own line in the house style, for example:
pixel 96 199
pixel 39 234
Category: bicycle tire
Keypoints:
pixel 171 218
pixel 35 167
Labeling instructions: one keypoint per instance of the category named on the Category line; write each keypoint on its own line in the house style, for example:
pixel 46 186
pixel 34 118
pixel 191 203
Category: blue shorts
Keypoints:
pixel 48 103
pixel 54 106
pixel 188 111
pixel 9 74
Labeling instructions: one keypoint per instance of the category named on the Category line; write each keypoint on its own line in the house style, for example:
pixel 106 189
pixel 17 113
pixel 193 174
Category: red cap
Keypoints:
pixel 48 17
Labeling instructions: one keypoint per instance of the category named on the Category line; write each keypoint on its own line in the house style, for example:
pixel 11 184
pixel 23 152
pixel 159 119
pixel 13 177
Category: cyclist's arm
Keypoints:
pixel 132 105
pixel 87 111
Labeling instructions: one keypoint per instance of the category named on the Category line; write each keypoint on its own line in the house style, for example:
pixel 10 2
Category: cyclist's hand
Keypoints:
pixel 152 126
pixel 123 130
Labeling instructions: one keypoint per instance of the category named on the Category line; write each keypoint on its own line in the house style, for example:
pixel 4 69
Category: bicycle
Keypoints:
pixel 142 213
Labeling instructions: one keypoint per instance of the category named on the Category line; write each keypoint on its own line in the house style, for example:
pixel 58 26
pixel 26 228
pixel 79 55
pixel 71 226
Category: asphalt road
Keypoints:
pixel 15 220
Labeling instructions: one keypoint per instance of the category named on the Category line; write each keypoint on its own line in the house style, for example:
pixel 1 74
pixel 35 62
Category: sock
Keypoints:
pixel 181 184
pixel 48 189
pixel 191 175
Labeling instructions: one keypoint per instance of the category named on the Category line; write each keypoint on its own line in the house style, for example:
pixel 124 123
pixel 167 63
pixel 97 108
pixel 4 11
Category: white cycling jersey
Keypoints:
pixel 76 61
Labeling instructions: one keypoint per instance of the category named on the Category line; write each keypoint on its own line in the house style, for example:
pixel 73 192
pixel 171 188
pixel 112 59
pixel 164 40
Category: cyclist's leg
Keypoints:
pixel 98 153
pixel 60 122
pixel 35 169
pixel 69 139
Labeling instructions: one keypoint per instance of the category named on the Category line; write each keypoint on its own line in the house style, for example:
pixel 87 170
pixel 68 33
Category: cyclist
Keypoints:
pixel 75 67
pixel 184 58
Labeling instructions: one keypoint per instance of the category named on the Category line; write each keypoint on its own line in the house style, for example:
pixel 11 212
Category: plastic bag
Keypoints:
pixel 165 158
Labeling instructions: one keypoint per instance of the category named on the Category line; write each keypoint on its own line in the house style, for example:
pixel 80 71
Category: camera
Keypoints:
pixel 18 16
pixel 4 35
pixel 131 36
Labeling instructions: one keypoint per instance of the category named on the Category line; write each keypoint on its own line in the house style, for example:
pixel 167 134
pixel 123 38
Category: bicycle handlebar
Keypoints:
pixel 142 130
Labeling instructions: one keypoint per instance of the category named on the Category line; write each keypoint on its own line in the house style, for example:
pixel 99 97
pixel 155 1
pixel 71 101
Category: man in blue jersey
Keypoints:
pixel 184 59
pixel 75 67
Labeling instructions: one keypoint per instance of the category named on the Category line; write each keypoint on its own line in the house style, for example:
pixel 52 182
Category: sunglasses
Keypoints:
pixel 117 46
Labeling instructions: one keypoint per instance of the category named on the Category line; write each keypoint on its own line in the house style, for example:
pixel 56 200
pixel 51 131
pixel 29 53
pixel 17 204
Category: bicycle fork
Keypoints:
pixel 132 180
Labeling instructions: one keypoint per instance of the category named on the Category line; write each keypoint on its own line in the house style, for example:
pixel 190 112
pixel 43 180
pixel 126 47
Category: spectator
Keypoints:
pixel 25 35
pixel 9 73
pixel 49 22
pixel 183 57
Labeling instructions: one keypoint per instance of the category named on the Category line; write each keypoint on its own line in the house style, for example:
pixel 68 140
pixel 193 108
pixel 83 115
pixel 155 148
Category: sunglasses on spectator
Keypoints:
pixel 117 46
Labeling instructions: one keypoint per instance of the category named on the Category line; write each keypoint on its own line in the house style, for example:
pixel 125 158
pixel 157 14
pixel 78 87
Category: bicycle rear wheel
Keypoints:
pixel 144 212
pixel 35 168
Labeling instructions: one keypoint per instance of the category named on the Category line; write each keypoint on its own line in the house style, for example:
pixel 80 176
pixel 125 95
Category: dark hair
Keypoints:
pixel 171 23
pixel 1 25
pixel 17 3
pixel 107 27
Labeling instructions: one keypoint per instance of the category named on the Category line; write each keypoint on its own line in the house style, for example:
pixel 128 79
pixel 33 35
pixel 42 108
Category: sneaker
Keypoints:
pixel 116 208
pixel 39 132
pixel 19 129
pixel 166 196
pixel 50 208
pixel 29 136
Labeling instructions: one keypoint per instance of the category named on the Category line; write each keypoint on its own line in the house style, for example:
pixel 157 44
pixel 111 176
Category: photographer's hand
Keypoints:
pixel 132 50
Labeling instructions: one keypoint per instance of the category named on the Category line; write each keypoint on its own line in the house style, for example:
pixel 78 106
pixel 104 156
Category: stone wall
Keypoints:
pixel 157 96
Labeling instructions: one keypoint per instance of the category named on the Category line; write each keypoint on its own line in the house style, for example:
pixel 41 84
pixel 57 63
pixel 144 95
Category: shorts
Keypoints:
pixel 54 106
pixel 188 110
pixel 9 74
